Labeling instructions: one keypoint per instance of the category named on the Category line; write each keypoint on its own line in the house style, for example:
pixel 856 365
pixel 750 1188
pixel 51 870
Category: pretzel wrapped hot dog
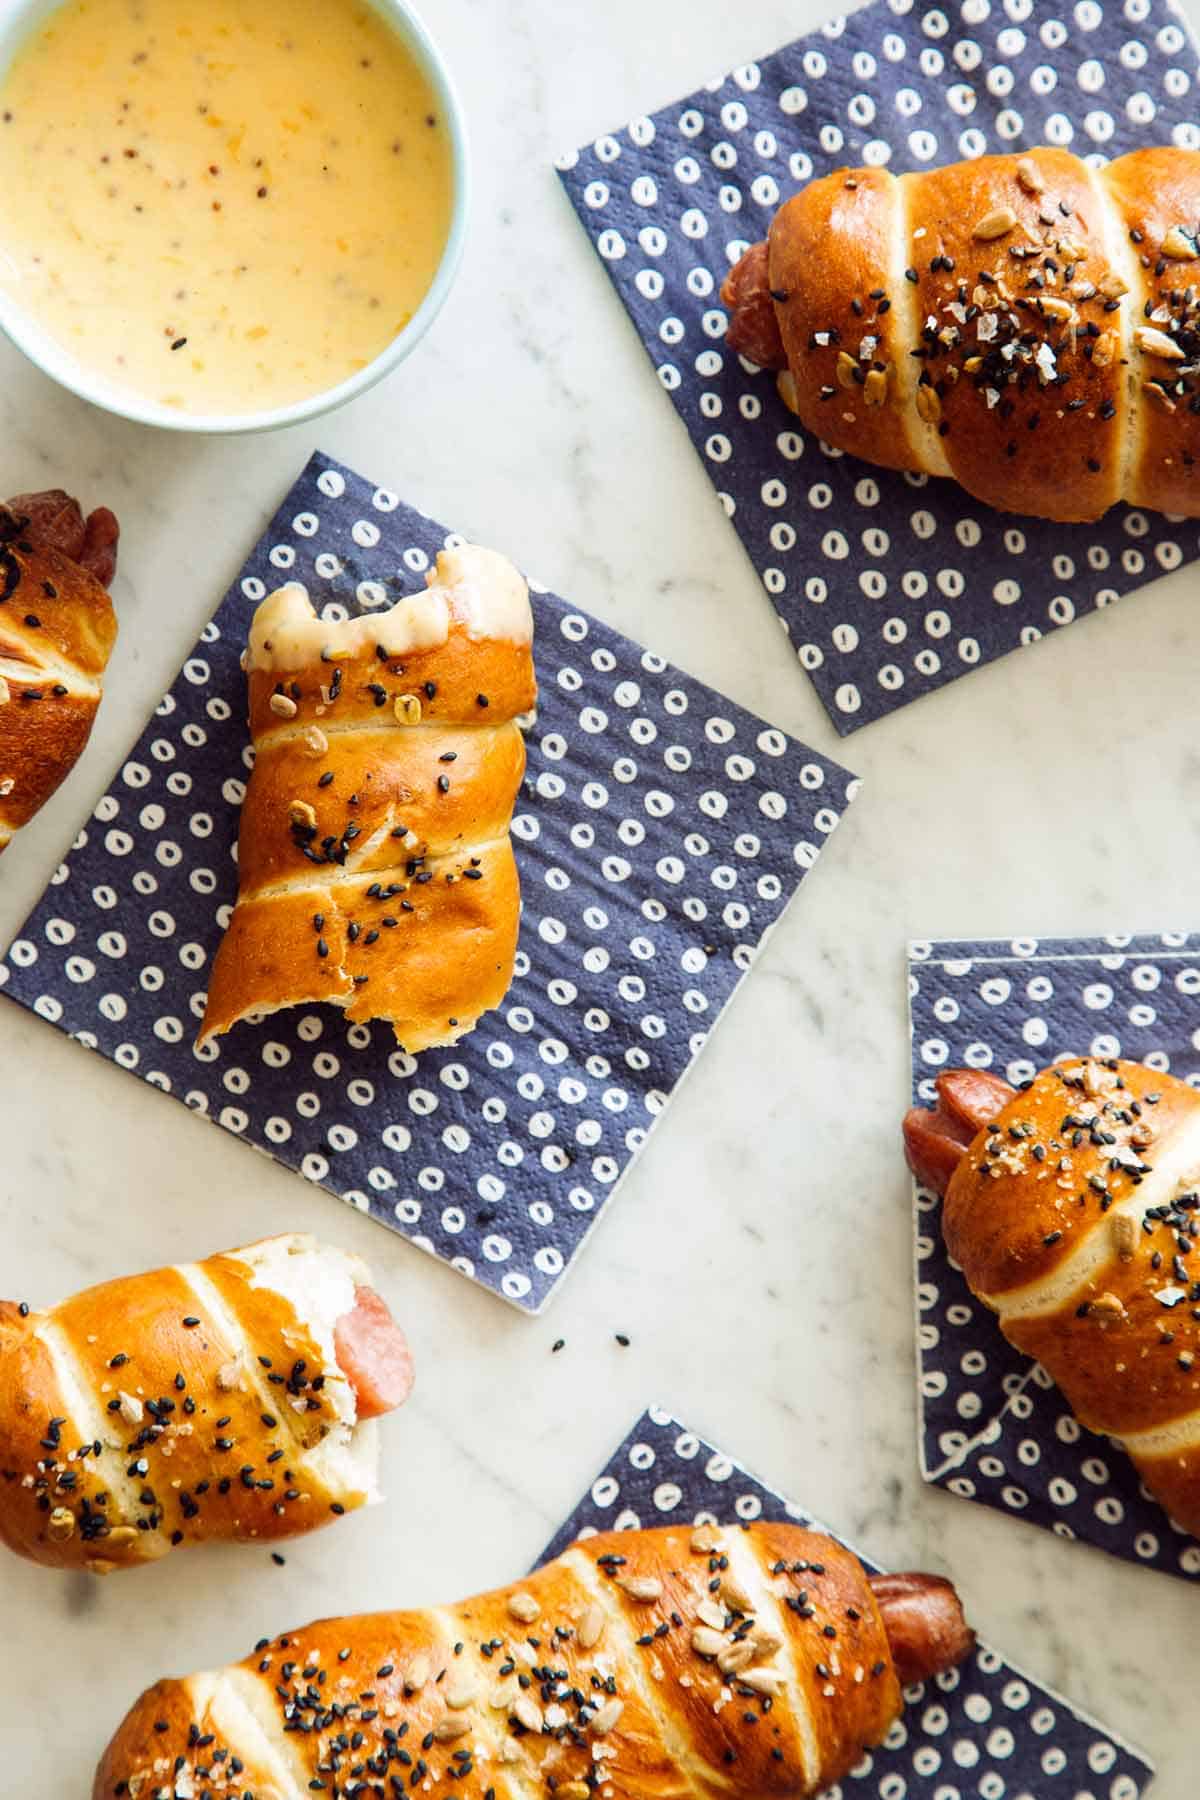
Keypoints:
pixel 1073 1209
pixel 375 866
pixel 231 1398
pixel 57 630
pixel 642 1665
pixel 1026 324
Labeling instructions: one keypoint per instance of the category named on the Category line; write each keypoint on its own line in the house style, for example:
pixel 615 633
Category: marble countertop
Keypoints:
pixel 759 1257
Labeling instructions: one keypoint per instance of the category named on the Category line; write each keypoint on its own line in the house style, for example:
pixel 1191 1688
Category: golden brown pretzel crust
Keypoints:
pixel 160 1409
pixel 57 630
pixel 1075 1215
pixel 596 1674
pixel 1024 324
pixel 432 947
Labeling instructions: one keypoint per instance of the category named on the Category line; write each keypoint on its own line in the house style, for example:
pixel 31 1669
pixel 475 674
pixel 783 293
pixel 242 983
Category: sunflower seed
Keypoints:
pixel 417 1675
pixel 1112 286
pixel 607 1717
pixel 1153 342
pixel 316 741
pixel 446 1731
pixel 1179 245
pixel 1029 176
pixel 524 1607
pixel 736 1598
pixel 527 1712
pixel 282 706
pixel 590 1628
pixel 407 709
pixel 131 1408
pixel 1159 396
pixel 735 1657
pixel 929 404
pixel 996 224
pixel 712 1615
pixel 501 1698
pixel 875 387
pixel 1109 1306
pixel 763 1681
pixel 61 1524
pixel 642 1588
pixel 302 814
pixel 706 1642
pixel 705 1540
pixel 846 366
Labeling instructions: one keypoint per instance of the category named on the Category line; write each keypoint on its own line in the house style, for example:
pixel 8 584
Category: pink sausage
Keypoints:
pixel 936 1138
pixel 373 1355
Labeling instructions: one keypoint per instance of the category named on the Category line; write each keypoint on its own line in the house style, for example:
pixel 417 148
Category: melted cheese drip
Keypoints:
pixel 475 587
pixel 226 207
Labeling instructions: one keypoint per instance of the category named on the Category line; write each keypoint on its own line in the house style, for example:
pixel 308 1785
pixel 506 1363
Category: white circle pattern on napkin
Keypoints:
pixel 660 833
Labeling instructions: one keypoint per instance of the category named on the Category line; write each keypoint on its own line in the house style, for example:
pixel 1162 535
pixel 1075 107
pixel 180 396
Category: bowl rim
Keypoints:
pixel 58 365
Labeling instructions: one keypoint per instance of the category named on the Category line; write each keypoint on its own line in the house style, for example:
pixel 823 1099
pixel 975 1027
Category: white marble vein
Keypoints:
pixel 760 1255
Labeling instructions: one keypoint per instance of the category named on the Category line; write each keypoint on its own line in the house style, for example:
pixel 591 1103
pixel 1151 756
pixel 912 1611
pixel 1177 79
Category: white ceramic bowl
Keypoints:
pixel 20 17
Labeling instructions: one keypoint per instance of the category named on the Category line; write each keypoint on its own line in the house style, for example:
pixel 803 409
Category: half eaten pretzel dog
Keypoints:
pixel 228 1399
pixel 375 863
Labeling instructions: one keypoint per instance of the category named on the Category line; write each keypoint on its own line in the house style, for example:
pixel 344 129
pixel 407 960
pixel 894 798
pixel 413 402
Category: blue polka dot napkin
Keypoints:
pixel 984 1729
pixel 888 585
pixel 660 833
pixel 994 1428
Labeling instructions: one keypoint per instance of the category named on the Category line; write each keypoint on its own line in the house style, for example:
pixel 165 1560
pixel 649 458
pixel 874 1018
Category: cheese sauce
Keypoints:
pixel 227 206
